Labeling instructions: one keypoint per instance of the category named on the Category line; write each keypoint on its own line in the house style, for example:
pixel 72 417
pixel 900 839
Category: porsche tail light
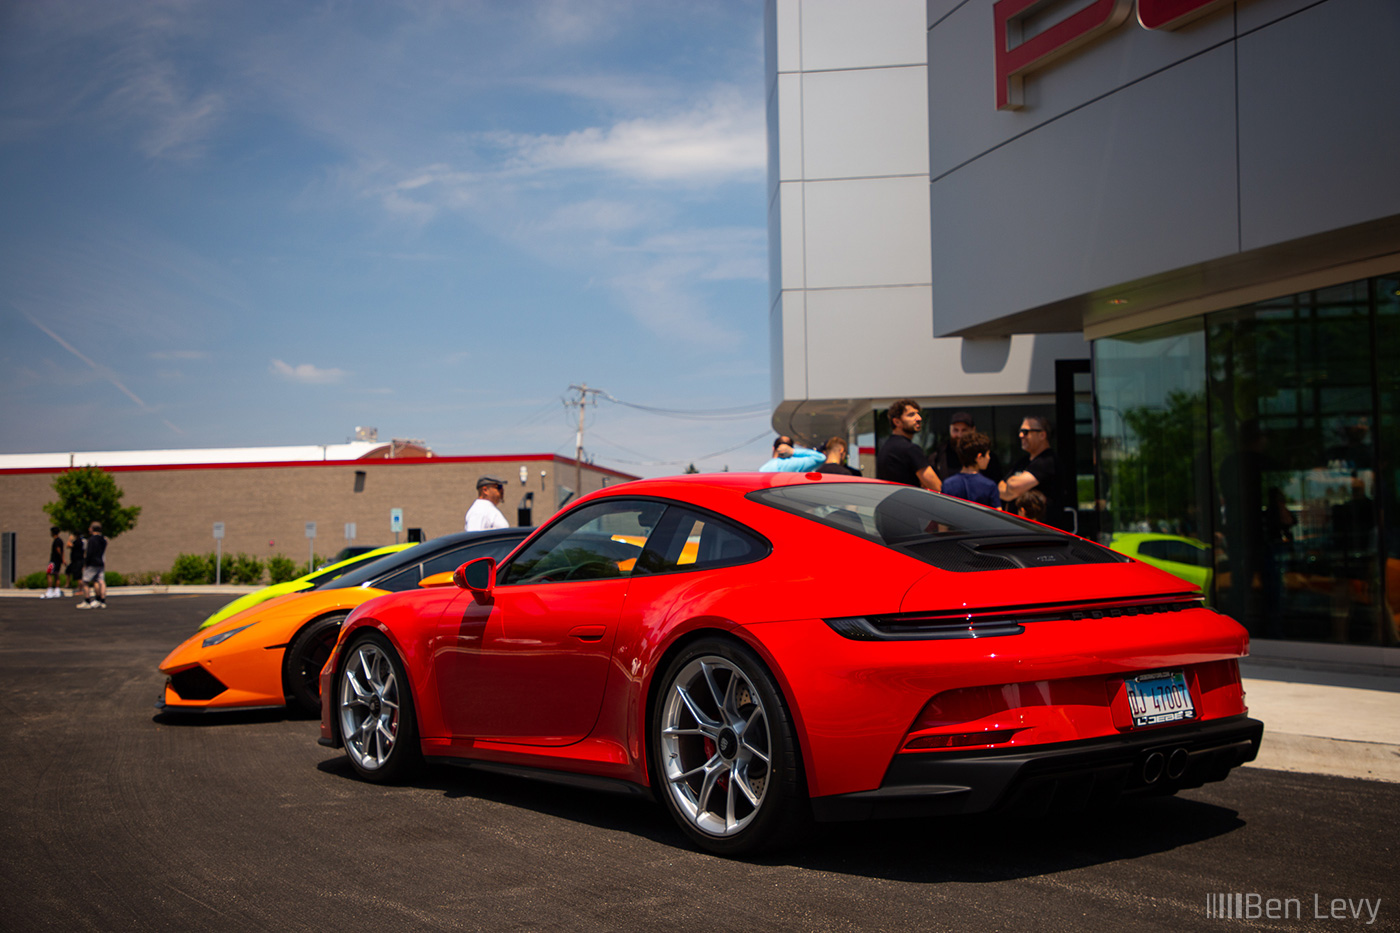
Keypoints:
pixel 962 739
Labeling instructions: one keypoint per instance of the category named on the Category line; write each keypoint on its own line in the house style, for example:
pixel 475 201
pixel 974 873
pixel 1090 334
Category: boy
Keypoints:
pixel 975 452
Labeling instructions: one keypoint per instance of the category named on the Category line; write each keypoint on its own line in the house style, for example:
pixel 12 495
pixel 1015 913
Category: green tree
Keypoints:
pixel 87 495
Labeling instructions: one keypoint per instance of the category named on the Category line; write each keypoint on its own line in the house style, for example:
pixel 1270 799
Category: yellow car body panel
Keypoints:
pixel 306 582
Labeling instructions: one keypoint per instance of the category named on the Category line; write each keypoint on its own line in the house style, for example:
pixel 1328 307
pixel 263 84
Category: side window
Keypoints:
pixel 409 577
pixel 405 579
pixel 689 540
pixel 595 542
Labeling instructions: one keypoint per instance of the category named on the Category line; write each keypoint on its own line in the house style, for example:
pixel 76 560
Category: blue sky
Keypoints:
pixel 266 223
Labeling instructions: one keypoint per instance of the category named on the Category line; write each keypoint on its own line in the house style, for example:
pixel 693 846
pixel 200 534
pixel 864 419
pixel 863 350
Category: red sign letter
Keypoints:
pixel 1169 14
pixel 1015 58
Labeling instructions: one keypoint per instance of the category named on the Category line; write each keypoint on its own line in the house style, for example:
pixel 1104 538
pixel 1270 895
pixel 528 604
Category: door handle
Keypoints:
pixel 588 632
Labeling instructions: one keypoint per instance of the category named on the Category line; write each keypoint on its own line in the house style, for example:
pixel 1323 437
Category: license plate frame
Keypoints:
pixel 1158 698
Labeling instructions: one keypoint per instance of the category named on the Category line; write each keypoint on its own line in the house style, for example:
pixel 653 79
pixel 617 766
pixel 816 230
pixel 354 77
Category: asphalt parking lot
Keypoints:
pixel 118 819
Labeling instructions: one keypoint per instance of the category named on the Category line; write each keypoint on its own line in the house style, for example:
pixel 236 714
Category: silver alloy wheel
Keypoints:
pixel 715 746
pixel 369 706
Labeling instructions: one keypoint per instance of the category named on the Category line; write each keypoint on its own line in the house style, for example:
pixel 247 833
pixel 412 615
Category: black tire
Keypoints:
pixel 373 708
pixel 724 751
pixel 301 665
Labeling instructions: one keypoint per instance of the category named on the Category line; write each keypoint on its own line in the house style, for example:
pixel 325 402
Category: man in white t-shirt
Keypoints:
pixel 485 512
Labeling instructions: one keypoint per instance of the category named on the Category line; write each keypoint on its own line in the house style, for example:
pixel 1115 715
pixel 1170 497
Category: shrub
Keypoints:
pixel 35 581
pixel 246 570
pixel 281 568
pixel 114 579
pixel 317 562
pixel 189 568
pixel 199 569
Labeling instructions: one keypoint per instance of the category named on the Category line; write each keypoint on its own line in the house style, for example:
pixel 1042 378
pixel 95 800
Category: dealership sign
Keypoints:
pixel 1017 57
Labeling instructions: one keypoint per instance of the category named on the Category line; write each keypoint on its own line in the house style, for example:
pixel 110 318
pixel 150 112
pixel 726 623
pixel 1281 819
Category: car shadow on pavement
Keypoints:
pixel 622 813
pixel 986 848
pixel 992 848
pixel 223 717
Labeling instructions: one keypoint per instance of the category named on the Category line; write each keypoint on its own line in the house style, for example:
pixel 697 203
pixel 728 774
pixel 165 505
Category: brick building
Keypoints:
pixel 266 496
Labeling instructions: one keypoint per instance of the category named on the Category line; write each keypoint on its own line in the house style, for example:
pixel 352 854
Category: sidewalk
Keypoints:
pixel 229 589
pixel 1320 719
pixel 1325 721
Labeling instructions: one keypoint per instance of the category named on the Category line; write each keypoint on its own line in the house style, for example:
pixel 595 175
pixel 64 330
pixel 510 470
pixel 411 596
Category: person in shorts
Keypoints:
pixel 94 567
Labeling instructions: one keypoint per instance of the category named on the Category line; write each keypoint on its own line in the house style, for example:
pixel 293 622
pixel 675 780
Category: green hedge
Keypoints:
pixel 281 568
pixel 39 580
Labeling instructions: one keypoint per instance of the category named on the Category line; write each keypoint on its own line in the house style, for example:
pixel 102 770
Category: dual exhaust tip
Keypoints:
pixel 1171 764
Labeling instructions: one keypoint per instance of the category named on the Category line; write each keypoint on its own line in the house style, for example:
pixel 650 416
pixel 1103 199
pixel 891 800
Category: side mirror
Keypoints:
pixel 478 575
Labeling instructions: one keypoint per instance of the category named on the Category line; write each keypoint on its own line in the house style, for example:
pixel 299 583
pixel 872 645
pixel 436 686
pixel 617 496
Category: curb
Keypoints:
pixel 1310 754
pixel 227 589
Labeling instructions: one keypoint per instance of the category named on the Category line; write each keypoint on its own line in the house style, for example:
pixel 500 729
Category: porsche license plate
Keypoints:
pixel 1158 698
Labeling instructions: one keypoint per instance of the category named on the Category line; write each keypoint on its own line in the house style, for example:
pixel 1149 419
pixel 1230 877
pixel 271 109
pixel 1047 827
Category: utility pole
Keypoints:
pixel 583 399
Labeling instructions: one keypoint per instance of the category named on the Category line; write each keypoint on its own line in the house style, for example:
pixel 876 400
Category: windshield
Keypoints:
pixel 941 530
pixel 892 515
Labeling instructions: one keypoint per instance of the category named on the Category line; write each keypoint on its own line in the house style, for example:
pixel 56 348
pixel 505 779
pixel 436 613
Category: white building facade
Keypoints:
pixel 1198 196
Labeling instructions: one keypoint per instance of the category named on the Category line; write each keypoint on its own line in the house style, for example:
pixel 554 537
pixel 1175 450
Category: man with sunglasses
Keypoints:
pixel 1035 470
pixel 485 512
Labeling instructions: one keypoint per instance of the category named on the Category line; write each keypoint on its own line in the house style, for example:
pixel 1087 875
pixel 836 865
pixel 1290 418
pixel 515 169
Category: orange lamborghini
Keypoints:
pixel 271 654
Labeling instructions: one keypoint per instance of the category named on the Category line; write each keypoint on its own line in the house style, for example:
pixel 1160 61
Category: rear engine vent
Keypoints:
pixel 196 683
pixel 970 555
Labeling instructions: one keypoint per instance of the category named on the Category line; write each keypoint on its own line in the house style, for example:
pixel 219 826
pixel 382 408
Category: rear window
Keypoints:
pixel 944 531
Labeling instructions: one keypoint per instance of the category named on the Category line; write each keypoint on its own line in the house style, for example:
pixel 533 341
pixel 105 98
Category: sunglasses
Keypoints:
pixel 1031 431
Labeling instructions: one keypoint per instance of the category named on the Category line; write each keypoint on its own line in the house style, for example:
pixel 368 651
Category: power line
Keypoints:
pixel 736 413
pixel 718 453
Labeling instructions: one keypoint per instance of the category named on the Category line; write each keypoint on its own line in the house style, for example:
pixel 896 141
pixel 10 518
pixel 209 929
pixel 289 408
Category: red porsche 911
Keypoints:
pixel 758 650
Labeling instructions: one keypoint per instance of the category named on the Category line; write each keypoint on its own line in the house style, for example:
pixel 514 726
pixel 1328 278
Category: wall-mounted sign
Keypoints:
pixel 1017 54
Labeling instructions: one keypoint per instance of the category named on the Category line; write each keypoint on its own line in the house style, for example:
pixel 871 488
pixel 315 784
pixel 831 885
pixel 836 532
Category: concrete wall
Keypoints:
pixel 851 313
pixel 1152 168
pixel 265 508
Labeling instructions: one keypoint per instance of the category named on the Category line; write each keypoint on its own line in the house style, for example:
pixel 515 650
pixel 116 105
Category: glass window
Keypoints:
pixel 598 541
pixel 405 579
pixel 1293 449
pixel 1387 343
pixel 1150 388
pixel 949 533
pixel 689 540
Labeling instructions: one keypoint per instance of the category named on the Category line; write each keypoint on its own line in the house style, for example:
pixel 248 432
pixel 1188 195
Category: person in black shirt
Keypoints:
pixel 1036 470
pixel 94 567
pixel 900 460
pixel 945 459
pixel 75 561
pixel 55 563
pixel 835 450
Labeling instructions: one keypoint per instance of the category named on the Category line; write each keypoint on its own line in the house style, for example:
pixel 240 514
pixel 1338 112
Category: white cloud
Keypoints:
pixel 718 139
pixel 307 374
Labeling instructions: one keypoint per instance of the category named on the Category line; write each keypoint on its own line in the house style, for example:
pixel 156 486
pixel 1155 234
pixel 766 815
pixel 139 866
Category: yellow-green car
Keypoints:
pixel 1183 557
pixel 310 581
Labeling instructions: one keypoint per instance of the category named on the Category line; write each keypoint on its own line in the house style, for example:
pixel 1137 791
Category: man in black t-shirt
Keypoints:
pixel 1036 470
pixel 94 569
pixel 835 450
pixel 900 460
